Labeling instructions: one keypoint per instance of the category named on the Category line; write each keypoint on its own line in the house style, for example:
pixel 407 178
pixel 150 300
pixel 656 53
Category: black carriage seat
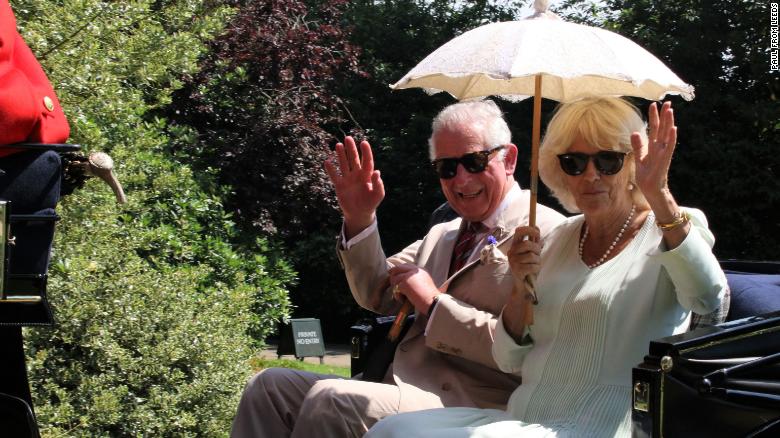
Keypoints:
pixel 31 184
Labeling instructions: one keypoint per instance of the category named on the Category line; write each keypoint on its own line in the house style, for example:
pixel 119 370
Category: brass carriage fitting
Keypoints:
pixel 642 396
pixel 667 364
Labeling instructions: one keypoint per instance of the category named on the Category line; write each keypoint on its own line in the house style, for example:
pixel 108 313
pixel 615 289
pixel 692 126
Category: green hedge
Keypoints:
pixel 160 302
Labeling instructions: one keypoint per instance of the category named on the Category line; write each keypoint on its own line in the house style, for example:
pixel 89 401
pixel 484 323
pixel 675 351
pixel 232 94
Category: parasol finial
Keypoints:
pixel 540 6
pixel 540 10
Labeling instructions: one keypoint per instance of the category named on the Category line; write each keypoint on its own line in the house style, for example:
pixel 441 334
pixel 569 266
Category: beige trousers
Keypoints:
pixel 280 402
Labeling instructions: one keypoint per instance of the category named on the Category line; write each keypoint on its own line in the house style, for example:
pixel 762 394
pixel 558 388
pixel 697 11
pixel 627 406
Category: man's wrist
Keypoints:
pixel 353 226
pixel 347 243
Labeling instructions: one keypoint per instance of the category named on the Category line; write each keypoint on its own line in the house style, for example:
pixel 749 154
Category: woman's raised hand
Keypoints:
pixel 653 160
pixel 652 172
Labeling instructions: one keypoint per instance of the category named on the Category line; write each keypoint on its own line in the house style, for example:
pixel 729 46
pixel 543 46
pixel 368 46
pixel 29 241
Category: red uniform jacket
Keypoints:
pixel 29 109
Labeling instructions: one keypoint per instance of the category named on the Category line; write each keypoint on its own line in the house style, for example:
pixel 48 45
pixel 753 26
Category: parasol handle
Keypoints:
pixel 530 280
pixel 398 324
pixel 536 133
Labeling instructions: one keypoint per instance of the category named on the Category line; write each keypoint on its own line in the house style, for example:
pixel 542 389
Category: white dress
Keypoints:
pixel 590 328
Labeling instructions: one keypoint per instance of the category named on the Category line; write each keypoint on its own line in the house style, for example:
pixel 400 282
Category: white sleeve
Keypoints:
pixel 347 244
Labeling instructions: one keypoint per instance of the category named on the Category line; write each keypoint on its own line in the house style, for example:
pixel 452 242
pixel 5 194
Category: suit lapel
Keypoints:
pixel 475 259
pixel 442 253
pixel 513 216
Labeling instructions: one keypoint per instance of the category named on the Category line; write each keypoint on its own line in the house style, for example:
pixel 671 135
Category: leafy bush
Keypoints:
pixel 159 302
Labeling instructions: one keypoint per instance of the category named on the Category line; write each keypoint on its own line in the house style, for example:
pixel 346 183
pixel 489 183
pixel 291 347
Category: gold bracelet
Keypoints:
pixel 680 218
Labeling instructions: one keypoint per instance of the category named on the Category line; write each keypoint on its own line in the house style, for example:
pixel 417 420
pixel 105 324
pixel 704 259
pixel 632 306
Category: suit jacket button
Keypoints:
pixel 48 103
pixel 446 386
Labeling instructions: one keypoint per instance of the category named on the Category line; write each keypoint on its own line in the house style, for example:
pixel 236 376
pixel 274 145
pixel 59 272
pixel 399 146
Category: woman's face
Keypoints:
pixel 593 191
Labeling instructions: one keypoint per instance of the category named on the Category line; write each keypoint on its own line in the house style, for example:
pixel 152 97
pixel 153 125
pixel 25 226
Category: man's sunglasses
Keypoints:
pixel 606 162
pixel 474 162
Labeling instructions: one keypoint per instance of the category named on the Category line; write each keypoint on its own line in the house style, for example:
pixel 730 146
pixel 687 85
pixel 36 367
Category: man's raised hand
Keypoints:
pixel 359 187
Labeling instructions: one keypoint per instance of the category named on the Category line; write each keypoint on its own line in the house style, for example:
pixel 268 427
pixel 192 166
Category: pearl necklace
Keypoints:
pixel 612 245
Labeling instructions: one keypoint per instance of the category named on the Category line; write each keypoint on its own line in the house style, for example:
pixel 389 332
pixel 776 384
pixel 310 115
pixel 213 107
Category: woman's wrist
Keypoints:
pixel 681 218
pixel 664 206
pixel 671 220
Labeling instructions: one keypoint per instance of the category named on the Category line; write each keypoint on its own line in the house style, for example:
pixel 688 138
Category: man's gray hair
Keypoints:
pixel 482 115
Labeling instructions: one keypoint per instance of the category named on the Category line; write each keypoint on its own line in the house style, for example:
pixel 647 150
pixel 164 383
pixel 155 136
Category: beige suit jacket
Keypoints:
pixel 453 362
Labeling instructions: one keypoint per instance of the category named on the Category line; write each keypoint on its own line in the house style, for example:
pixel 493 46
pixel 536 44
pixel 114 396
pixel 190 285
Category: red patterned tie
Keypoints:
pixel 464 245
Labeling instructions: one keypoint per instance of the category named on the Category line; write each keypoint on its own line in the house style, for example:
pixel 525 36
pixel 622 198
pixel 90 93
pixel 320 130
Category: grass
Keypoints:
pixel 259 364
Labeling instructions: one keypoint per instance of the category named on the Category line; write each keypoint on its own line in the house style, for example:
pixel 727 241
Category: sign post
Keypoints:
pixel 302 338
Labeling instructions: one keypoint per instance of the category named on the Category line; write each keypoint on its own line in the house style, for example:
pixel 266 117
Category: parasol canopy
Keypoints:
pixel 574 61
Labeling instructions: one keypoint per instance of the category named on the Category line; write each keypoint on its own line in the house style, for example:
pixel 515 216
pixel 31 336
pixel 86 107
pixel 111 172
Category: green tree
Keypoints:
pixel 264 113
pixel 157 301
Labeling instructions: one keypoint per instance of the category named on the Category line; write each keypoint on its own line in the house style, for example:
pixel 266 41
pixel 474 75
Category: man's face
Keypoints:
pixel 475 196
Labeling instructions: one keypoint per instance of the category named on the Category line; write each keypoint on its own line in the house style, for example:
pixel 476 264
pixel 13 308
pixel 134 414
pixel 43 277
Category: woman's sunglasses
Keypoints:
pixel 474 162
pixel 606 162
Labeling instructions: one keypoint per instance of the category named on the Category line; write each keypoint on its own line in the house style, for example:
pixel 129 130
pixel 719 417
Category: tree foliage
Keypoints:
pixel 264 113
pixel 262 107
pixel 156 301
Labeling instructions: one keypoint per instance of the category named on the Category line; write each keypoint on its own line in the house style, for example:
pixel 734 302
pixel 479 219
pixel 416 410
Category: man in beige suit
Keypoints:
pixel 457 277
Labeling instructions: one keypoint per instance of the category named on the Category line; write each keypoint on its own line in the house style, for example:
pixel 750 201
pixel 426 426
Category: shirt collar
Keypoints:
pixel 514 193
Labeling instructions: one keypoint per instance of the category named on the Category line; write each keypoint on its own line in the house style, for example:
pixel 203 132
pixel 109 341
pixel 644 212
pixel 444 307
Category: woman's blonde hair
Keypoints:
pixel 604 122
